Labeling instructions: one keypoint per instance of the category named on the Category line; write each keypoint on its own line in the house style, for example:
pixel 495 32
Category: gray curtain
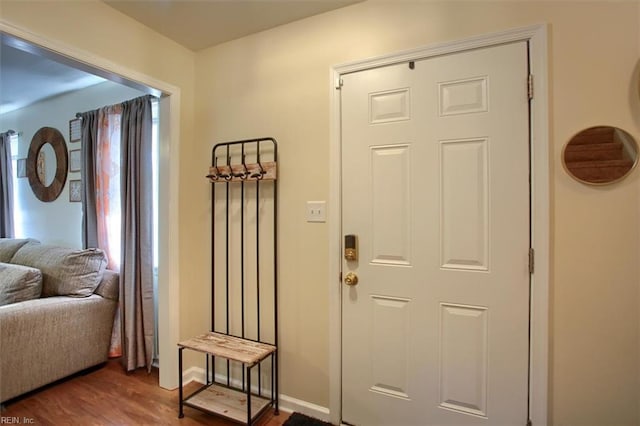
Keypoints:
pixel 88 151
pixel 6 187
pixel 136 308
pixel 136 269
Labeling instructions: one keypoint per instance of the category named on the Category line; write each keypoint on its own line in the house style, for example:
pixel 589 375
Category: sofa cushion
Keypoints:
pixel 19 283
pixel 109 285
pixel 65 271
pixel 9 247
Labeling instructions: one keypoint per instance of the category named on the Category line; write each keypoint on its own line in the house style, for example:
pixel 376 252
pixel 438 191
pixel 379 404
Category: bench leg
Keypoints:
pixel 180 412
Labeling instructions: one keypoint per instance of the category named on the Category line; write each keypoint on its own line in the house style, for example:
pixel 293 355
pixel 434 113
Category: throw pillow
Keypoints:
pixel 65 271
pixel 19 283
pixel 9 247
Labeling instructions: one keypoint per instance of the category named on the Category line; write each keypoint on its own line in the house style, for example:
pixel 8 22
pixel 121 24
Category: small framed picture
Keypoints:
pixel 75 163
pixel 21 168
pixel 75 130
pixel 75 191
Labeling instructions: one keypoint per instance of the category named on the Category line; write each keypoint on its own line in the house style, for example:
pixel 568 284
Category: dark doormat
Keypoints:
pixel 297 419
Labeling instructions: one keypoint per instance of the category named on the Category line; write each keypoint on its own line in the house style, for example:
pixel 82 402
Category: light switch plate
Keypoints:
pixel 316 211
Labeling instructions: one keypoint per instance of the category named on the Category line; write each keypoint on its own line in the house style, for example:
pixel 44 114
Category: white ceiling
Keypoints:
pixel 198 24
pixel 26 76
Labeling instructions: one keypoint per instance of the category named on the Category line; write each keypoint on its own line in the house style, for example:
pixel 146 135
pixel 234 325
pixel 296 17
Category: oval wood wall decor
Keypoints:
pixel 600 155
pixel 43 136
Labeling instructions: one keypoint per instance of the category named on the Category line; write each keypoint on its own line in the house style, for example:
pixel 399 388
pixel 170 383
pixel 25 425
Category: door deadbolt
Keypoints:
pixel 351 279
pixel 350 247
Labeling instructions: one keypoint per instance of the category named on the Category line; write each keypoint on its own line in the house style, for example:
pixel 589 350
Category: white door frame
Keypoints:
pixel 169 141
pixel 536 36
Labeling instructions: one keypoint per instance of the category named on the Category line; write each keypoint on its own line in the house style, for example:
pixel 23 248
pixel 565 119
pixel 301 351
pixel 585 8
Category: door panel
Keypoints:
pixel 463 358
pixel 390 205
pixel 435 184
pixel 464 200
pixel 390 327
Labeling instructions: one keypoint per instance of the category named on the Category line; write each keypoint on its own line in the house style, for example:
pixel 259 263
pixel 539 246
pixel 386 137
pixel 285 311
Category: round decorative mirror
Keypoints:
pixel 47 156
pixel 600 155
pixel 47 164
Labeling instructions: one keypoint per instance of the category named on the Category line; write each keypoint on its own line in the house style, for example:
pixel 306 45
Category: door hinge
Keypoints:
pixel 530 86
pixel 339 83
pixel 532 260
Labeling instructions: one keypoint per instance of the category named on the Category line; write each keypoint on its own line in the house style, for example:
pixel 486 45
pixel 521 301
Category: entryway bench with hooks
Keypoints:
pixel 244 291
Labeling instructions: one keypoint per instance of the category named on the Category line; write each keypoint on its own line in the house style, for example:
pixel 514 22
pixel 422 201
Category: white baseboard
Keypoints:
pixel 291 405
pixel 193 374
pixel 287 403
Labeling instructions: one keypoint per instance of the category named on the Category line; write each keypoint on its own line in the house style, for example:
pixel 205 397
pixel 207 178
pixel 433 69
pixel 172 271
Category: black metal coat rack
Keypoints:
pixel 244 283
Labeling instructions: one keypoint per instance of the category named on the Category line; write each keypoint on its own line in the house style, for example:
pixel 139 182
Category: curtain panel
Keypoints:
pixel 118 216
pixel 89 147
pixel 136 270
pixel 101 216
pixel 6 187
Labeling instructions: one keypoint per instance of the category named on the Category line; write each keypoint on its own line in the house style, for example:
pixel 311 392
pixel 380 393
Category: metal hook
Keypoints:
pixel 245 173
pixel 215 175
pixel 259 174
pixel 227 176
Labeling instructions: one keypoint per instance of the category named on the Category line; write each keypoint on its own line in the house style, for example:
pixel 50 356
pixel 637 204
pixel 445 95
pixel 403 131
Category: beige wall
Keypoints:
pixel 276 83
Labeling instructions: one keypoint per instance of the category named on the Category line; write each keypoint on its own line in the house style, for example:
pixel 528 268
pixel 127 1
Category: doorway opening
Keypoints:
pixel 166 112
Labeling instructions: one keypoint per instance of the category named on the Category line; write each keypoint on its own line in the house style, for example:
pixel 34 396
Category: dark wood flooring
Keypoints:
pixel 109 396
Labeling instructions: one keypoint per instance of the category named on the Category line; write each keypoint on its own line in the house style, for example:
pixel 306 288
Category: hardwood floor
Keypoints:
pixel 108 396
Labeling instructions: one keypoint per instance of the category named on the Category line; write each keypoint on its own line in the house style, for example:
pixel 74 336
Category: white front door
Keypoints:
pixel 435 185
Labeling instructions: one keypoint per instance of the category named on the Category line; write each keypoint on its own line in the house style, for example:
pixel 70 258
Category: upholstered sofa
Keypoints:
pixel 57 307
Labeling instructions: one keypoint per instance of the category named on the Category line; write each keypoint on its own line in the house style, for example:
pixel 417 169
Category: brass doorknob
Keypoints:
pixel 351 279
